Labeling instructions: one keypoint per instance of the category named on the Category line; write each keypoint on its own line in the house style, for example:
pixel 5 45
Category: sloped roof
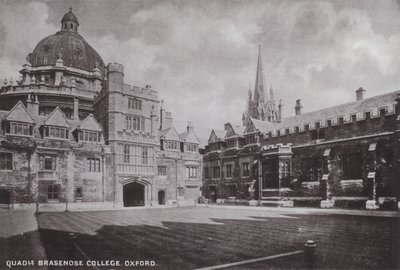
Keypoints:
pixel 57 118
pixel 262 126
pixel 90 123
pixel 239 130
pixel 344 110
pixel 216 134
pixel 19 114
pixel 233 130
pixel 219 133
pixel 170 134
pixel 189 136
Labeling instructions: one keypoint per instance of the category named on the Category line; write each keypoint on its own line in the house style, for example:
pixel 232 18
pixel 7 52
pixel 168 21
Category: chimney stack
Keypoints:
pixel 189 126
pixel 360 94
pixel 298 107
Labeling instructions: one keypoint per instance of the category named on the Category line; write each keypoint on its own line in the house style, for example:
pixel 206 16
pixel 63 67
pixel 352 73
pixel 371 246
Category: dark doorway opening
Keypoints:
pixel 5 196
pixel 161 197
pixel 133 194
pixel 213 193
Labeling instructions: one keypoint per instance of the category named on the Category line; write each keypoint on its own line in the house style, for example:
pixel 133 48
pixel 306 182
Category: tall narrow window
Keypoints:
pixel 5 161
pixel 228 171
pixel 126 153
pixel 191 172
pixel 246 170
pixel 144 155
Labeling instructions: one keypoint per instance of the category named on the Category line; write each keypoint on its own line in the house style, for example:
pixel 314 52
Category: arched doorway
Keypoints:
pixel 5 196
pixel 161 197
pixel 133 194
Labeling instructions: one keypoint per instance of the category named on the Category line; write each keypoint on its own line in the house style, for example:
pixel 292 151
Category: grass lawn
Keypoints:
pixel 188 238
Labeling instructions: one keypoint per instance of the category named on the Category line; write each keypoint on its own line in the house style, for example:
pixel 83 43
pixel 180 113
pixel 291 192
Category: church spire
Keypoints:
pixel 259 86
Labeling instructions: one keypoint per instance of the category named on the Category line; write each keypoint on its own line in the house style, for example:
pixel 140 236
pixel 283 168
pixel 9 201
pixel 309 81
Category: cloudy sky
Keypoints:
pixel 201 55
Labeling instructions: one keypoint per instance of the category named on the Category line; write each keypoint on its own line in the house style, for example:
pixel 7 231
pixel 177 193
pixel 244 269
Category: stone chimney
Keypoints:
pixel 360 94
pixel 189 126
pixel 298 107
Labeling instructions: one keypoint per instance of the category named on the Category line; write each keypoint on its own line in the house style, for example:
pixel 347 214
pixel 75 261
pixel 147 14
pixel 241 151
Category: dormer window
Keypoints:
pixel 231 144
pixel 89 136
pixel 191 147
pixel 171 145
pixel 251 139
pixel 56 132
pixel 21 129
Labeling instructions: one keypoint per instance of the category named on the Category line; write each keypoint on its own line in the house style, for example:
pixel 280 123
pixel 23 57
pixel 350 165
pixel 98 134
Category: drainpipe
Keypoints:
pixel 115 179
pixel 176 181
pixel 260 179
pixel 102 174
pixel 280 180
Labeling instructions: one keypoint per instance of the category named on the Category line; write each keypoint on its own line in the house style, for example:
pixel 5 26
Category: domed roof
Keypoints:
pixel 69 16
pixel 68 45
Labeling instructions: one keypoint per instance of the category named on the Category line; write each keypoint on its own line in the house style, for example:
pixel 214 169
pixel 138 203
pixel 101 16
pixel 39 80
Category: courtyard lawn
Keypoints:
pixel 189 238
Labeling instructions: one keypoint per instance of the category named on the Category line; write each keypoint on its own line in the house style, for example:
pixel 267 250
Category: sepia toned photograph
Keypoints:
pixel 184 134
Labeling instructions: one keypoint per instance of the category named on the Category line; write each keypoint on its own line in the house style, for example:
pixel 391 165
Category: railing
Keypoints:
pixel 308 252
pixel 62 89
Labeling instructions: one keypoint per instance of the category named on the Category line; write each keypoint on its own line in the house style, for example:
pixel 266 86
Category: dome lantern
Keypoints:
pixel 69 22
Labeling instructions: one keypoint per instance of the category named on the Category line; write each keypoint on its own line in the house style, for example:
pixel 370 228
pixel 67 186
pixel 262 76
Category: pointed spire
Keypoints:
pixel 271 93
pixel 259 92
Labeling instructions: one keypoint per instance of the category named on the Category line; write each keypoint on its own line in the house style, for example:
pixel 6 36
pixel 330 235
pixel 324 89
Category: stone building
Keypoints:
pixel 346 155
pixel 73 131
pixel 179 166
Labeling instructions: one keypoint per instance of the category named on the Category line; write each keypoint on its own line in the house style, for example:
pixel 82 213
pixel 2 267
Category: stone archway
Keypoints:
pixel 136 192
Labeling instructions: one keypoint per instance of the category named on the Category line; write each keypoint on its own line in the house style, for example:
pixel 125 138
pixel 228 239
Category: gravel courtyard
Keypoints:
pixel 189 238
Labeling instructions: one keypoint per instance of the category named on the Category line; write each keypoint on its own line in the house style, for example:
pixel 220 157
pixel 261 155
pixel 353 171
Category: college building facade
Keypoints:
pixel 345 156
pixel 73 132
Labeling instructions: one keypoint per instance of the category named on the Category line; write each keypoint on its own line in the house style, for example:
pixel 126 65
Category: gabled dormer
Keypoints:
pixel 234 135
pixel 216 140
pixel 89 130
pixel 169 139
pixel 255 129
pixel 18 121
pixel 189 139
pixel 56 125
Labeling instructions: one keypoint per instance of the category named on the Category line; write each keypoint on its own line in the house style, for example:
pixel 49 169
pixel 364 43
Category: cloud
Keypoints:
pixel 21 26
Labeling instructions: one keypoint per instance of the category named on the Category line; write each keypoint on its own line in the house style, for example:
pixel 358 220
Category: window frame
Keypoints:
pixel 245 169
pixel 6 159
pixel 228 168
pixel 162 170
pixel 46 160
pixel 93 165
pixel 53 192
pixel 20 129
